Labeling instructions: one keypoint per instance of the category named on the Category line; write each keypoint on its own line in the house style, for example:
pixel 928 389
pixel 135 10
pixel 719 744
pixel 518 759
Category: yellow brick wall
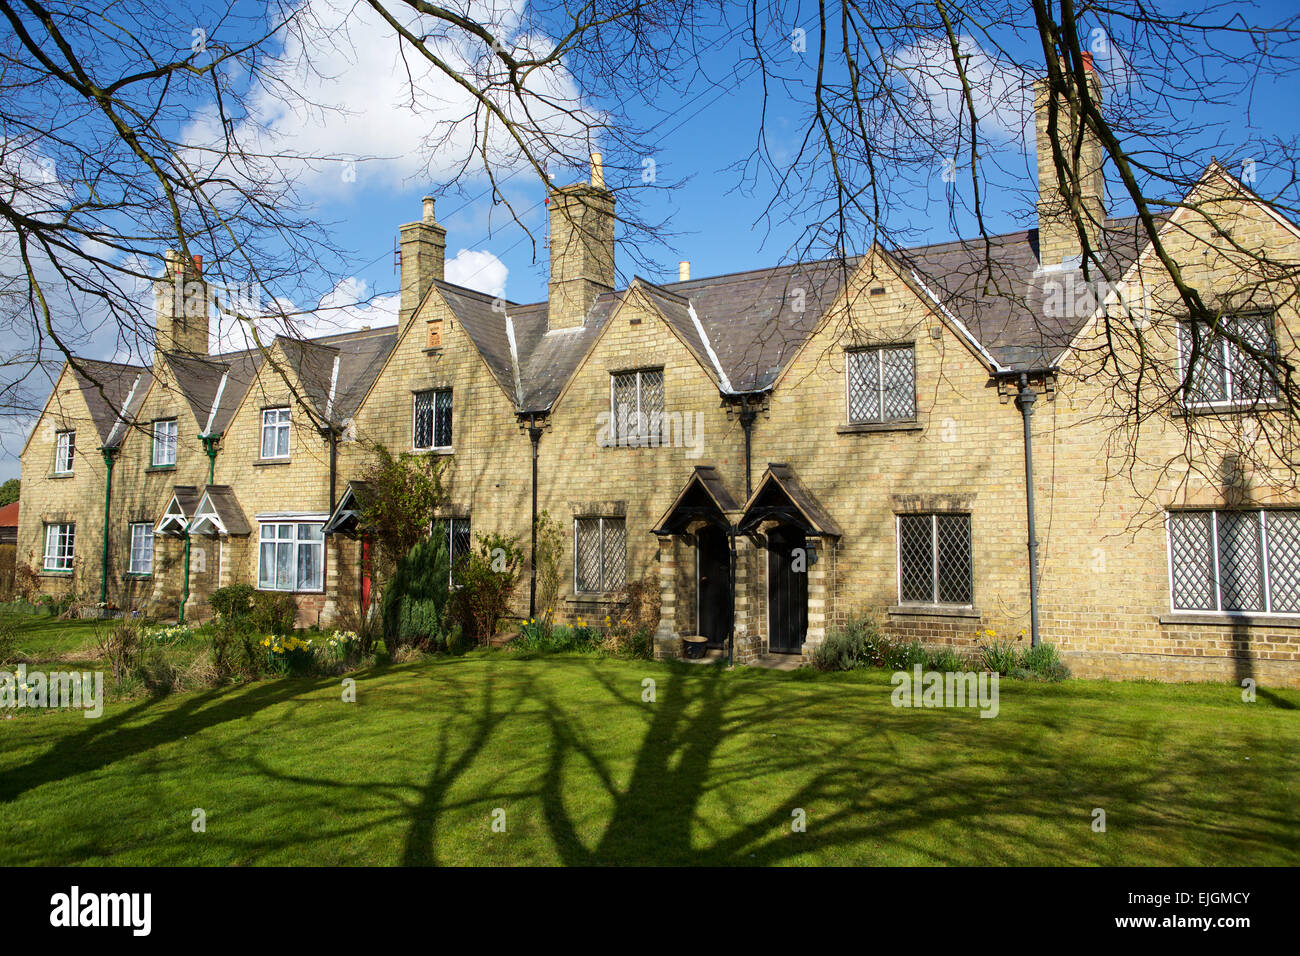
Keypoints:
pixel 577 476
pixel 1104 493
pixel 963 454
pixel 78 498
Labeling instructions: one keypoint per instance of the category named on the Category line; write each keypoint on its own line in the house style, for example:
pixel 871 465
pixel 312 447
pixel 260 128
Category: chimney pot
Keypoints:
pixel 684 271
pixel 198 264
pixel 428 203
pixel 597 171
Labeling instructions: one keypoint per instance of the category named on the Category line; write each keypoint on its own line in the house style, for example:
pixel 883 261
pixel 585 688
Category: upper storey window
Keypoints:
pixel 881 384
pixel 275 433
pixel 636 405
pixel 1232 364
pixel 65 450
pixel 431 421
pixel 164 442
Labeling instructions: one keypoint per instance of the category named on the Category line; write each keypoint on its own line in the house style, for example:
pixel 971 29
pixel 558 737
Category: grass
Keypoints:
pixel 709 773
pixel 43 637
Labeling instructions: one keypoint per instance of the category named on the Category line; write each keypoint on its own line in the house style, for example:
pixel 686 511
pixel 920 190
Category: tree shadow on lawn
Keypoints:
pixel 109 739
pixel 711 772
pixel 999 790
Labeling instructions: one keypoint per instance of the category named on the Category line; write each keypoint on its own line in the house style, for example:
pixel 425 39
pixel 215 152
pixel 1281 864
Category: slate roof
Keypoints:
pixel 108 387
pixel 744 328
pixel 998 293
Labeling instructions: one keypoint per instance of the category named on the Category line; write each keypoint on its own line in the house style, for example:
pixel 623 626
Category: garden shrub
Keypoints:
pixel 273 612
pixel 415 598
pixel 632 633
pixel 841 650
pixel 486 578
pixel 550 552
pixel 118 643
pixel 233 603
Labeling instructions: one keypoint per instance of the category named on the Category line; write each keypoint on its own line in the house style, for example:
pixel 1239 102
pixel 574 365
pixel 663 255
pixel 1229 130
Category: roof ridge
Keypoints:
pixel 485 296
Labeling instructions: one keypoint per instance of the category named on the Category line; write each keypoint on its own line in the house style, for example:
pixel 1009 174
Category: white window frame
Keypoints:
pixel 141 567
pixel 60 547
pixel 934 558
pixel 294 541
pixel 878 351
pixel 1263 543
pixel 433 425
pixel 275 420
pixel 1230 400
pixel 617 437
pixel 165 434
pixel 65 451
pixel 604 584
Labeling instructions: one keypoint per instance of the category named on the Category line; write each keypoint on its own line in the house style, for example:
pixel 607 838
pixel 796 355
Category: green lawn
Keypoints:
pixel 709 773
pixel 43 637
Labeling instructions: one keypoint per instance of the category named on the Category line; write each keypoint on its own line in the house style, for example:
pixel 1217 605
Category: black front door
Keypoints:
pixel 714 585
pixel 787 590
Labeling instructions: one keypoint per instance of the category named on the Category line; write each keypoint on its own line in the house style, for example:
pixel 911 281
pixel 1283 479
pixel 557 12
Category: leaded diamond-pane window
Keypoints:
pixel 1235 561
pixel 934 559
pixel 1191 538
pixel 881 384
pixel 599 554
pixel 636 406
pixel 431 424
pixel 1230 364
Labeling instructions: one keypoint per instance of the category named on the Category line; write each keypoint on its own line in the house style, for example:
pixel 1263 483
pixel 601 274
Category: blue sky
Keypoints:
pixel 720 227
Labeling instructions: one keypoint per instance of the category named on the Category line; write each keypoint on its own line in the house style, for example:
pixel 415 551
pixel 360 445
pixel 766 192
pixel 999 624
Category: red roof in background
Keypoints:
pixel 9 516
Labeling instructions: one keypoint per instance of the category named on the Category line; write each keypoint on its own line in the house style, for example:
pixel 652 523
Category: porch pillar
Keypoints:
pixel 748 635
pixel 666 639
pixel 330 609
pixel 818 596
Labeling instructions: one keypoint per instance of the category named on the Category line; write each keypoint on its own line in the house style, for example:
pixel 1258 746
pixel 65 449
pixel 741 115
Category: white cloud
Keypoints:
pixel 1001 93
pixel 478 269
pixel 344 87
pixel 348 307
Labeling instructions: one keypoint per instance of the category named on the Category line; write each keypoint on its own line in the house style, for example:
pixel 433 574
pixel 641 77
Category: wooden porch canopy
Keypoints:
pixel 345 519
pixel 780 496
pixel 176 516
pixel 703 498
pixel 218 512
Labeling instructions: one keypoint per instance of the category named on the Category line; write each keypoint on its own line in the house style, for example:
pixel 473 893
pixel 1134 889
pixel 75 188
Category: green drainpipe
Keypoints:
pixel 185 588
pixel 210 446
pixel 108 454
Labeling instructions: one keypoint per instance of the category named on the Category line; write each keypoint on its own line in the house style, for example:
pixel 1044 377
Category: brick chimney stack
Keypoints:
pixel 1058 234
pixel 582 247
pixel 181 306
pixel 424 253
